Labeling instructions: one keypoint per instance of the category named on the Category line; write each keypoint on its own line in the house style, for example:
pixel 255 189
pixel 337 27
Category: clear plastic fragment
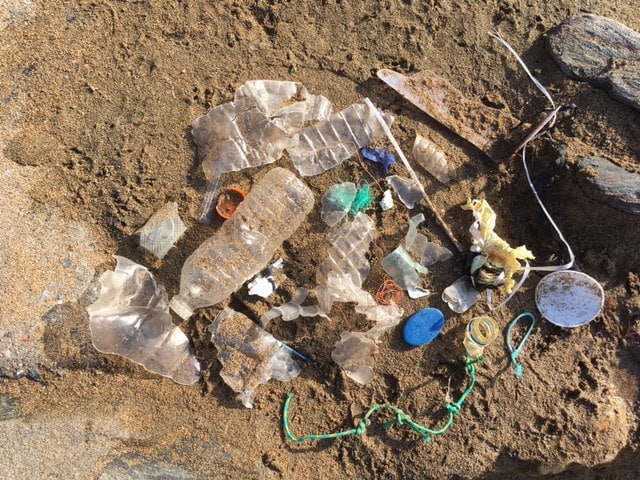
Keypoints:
pixel 431 159
pixel 249 355
pixel 336 202
pixel 131 318
pixel 293 309
pixel 325 145
pixel 460 295
pixel 407 190
pixel 417 243
pixel 162 230
pixel 402 268
pixel 355 352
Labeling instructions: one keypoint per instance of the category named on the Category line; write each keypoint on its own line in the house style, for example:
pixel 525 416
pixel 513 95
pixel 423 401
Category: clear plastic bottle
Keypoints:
pixel 480 332
pixel 271 212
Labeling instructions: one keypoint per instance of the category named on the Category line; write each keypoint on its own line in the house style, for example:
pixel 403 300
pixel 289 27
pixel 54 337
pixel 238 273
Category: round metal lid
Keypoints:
pixel 569 298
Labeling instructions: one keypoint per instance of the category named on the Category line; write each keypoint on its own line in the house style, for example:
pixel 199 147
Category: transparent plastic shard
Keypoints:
pixel 418 244
pixel 336 202
pixel 130 318
pixel 325 145
pixel 249 355
pixel 431 159
pixel 254 129
pixel 293 309
pixel 460 295
pixel 403 269
pixel 355 353
pixel 347 255
pixel 162 230
pixel 407 190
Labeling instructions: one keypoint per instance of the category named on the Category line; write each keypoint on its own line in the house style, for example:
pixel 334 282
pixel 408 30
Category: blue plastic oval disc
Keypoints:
pixel 423 326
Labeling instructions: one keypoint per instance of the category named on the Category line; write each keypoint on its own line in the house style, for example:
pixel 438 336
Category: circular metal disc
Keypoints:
pixel 569 298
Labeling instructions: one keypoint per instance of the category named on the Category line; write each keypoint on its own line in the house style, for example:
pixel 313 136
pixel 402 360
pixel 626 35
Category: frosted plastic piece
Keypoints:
pixel 327 144
pixel 271 212
pixel 355 352
pixel 130 318
pixel 460 295
pixel 402 268
pixel 418 244
pixel 407 190
pixel 162 230
pixel 431 159
pixel 293 309
pixel 336 202
pixel 347 255
pixel 254 129
pixel 264 284
pixel 386 203
pixel 249 355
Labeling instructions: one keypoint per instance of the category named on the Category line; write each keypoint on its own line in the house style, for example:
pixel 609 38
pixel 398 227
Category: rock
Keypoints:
pixel 136 467
pixel 609 183
pixel 8 409
pixel 601 51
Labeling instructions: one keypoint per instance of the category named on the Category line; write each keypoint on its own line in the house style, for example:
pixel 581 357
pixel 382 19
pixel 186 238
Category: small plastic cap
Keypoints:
pixel 423 326
pixel 178 305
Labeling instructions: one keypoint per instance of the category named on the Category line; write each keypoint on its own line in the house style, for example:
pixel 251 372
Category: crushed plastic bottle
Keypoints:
pixel 130 318
pixel 292 309
pixel 431 159
pixel 480 332
pixel 407 190
pixel 417 243
pixel 460 295
pixel 325 145
pixel 272 211
pixel 249 355
pixel 254 129
pixel 162 230
pixel 336 202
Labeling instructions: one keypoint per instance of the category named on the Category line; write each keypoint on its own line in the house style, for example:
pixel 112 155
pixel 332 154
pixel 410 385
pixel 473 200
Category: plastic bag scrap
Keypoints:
pixel 264 284
pixel 406 189
pixel 495 253
pixel 417 243
pixel 460 295
pixel 379 155
pixel 336 202
pixel 325 145
pixel 249 355
pixel 162 230
pixel 131 318
pixel 431 159
pixel 293 309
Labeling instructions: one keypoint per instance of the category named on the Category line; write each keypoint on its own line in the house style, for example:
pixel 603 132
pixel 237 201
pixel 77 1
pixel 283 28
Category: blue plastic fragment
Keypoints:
pixel 379 155
pixel 423 326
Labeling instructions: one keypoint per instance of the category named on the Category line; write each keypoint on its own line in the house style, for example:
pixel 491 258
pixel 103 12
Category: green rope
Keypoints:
pixel 401 418
pixel 514 352
pixel 362 200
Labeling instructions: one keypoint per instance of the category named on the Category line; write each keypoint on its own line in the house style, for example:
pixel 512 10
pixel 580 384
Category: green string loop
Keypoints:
pixel 401 418
pixel 514 352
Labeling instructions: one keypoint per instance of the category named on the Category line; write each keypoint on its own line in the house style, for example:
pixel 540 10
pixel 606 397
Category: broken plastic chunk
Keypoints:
pixel 417 243
pixel 130 318
pixel 379 155
pixel 406 189
pixel 162 230
pixel 293 309
pixel 323 146
pixel 499 255
pixel 402 268
pixel 460 295
pixel 431 159
pixel 336 202
pixel 249 355
pixel 355 352
pixel 264 284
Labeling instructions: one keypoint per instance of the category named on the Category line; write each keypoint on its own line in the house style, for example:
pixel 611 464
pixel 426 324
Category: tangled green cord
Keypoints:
pixel 401 418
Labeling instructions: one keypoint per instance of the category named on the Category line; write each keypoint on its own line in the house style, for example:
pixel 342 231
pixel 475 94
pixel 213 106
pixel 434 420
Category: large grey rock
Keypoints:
pixel 601 51
pixel 609 183
pixel 136 467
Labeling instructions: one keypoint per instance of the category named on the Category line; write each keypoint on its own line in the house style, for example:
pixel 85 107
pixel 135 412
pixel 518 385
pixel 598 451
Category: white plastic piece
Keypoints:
pixel 293 309
pixel 417 292
pixel 431 159
pixel 323 146
pixel 402 268
pixel 162 230
pixel 336 202
pixel 386 203
pixel 406 189
pixel 249 355
pixel 264 284
pixel 460 295
pixel 254 129
pixel 417 243
pixel 130 318
pixel 271 212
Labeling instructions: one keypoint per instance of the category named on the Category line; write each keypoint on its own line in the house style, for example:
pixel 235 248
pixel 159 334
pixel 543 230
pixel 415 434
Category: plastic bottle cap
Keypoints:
pixel 423 326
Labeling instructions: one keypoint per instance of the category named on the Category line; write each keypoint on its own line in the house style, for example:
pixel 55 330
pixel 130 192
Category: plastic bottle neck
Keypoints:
pixel 180 306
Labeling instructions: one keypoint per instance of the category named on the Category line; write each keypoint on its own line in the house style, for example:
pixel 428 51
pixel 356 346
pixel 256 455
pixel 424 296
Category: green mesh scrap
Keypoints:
pixel 362 201
pixel 401 418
